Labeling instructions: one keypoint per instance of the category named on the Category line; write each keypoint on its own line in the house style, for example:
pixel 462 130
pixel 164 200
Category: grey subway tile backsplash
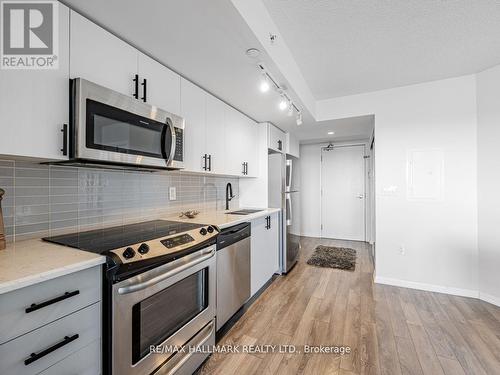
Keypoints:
pixel 44 200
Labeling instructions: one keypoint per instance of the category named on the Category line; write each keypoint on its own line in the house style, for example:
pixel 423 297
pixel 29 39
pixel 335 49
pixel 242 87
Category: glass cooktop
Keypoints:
pixel 102 240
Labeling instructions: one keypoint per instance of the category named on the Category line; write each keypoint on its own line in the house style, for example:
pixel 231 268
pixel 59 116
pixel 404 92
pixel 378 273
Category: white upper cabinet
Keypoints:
pixel 100 57
pixel 276 139
pixel 242 136
pixel 34 105
pixel 193 109
pixel 292 145
pixel 160 84
pixel 215 130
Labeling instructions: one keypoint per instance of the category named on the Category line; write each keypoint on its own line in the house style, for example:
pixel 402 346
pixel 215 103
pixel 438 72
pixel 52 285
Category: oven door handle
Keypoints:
pixel 203 255
pixel 209 328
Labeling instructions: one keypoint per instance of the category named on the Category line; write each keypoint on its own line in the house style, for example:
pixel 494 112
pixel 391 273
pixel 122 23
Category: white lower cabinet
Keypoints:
pixel 53 327
pixel 264 253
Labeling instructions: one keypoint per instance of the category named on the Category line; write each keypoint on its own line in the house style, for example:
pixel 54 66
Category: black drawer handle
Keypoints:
pixel 37 306
pixel 36 356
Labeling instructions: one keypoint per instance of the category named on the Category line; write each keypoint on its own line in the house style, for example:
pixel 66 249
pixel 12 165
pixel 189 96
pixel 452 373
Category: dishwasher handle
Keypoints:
pixel 231 235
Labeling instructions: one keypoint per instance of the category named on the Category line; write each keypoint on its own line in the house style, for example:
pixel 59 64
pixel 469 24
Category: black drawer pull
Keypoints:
pixel 37 306
pixel 36 356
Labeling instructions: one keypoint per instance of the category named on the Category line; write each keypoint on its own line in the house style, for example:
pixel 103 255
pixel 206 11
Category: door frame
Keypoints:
pixel 365 180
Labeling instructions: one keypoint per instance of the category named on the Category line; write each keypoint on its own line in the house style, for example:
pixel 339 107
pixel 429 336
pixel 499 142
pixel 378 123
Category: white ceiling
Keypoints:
pixel 346 129
pixel 204 41
pixel 345 47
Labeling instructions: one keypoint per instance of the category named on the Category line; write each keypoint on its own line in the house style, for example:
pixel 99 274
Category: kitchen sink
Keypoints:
pixel 243 212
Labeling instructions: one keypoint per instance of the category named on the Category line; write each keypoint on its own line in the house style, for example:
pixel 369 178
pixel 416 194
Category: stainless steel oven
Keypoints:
pixel 112 128
pixel 170 305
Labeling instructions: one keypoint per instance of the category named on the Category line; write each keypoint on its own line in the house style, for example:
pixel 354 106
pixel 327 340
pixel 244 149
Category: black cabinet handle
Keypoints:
pixel 205 162
pixel 36 356
pixel 210 162
pixel 64 148
pixel 144 89
pixel 280 145
pixel 38 306
pixel 136 86
pixel 244 169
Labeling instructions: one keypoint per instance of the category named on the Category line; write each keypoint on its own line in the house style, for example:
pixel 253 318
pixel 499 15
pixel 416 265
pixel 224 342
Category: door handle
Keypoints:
pixel 136 86
pixel 144 89
pixel 64 148
pixel 244 169
pixel 210 162
pixel 280 145
pixel 204 162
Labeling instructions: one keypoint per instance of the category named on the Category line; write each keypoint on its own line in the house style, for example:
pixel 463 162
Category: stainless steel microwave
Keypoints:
pixel 110 128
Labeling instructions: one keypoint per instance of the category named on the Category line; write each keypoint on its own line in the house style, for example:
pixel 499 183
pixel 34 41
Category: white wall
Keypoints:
pixel 488 113
pixel 439 237
pixel 310 168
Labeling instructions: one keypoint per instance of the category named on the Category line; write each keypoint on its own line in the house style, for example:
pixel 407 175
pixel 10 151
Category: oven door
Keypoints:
pixel 113 128
pixel 166 306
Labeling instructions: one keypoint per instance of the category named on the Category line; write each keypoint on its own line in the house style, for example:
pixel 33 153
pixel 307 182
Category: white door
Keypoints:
pixel 34 104
pixel 163 87
pixel 193 109
pixel 343 193
pixel 215 142
pixel 101 57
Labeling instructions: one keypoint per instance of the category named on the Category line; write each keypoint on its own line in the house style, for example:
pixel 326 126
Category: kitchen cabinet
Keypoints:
pixel 215 130
pixel 101 57
pixel 193 109
pixel 163 86
pixel 276 139
pixel 34 105
pixel 264 250
pixel 292 145
pixel 56 319
pixel 241 144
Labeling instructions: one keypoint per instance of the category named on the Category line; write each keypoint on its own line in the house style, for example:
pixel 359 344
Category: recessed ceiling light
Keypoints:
pixel 331 133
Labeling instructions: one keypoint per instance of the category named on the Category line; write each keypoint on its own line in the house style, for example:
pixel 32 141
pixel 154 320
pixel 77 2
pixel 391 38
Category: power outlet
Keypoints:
pixel 172 193
pixel 402 250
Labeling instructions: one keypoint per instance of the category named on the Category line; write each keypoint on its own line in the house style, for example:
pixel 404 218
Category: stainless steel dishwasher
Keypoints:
pixel 233 271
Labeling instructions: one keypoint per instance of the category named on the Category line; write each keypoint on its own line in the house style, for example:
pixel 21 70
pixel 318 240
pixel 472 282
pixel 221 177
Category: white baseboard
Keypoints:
pixel 489 298
pixel 427 287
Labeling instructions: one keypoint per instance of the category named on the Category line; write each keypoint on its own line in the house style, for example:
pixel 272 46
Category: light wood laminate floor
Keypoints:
pixel 390 330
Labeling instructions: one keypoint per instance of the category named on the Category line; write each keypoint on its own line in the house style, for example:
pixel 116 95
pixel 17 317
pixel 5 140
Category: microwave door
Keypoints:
pixel 168 142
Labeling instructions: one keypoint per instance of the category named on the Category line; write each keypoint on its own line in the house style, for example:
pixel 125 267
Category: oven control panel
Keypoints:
pixel 177 240
pixel 166 245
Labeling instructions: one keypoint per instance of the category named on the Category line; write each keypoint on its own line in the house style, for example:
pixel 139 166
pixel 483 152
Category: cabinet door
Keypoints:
pixel 215 129
pixel 34 104
pixel 163 87
pixel 273 242
pixel 276 139
pixel 235 143
pixel 100 57
pixel 258 259
pixel 251 146
pixel 292 145
pixel 193 109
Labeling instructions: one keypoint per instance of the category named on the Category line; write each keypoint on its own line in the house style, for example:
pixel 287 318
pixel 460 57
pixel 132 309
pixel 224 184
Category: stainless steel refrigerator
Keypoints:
pixel 284 193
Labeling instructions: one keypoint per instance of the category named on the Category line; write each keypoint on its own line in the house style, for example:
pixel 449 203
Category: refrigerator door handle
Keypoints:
pixel 288 175
pixel 289 215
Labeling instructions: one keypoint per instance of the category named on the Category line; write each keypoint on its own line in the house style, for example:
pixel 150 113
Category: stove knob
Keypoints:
pixel 143 249
pixel 210 229
pixel 128 253
pixel 203 231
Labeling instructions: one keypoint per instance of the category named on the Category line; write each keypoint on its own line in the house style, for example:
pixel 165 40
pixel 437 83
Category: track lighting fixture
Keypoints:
pixel 264 83
pixel 299 118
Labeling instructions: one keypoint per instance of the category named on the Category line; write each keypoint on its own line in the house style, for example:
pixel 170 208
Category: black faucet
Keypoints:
pixel 229 194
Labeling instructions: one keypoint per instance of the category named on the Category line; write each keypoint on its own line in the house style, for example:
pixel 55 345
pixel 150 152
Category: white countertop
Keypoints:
pixel 222 219
pixel 29 262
